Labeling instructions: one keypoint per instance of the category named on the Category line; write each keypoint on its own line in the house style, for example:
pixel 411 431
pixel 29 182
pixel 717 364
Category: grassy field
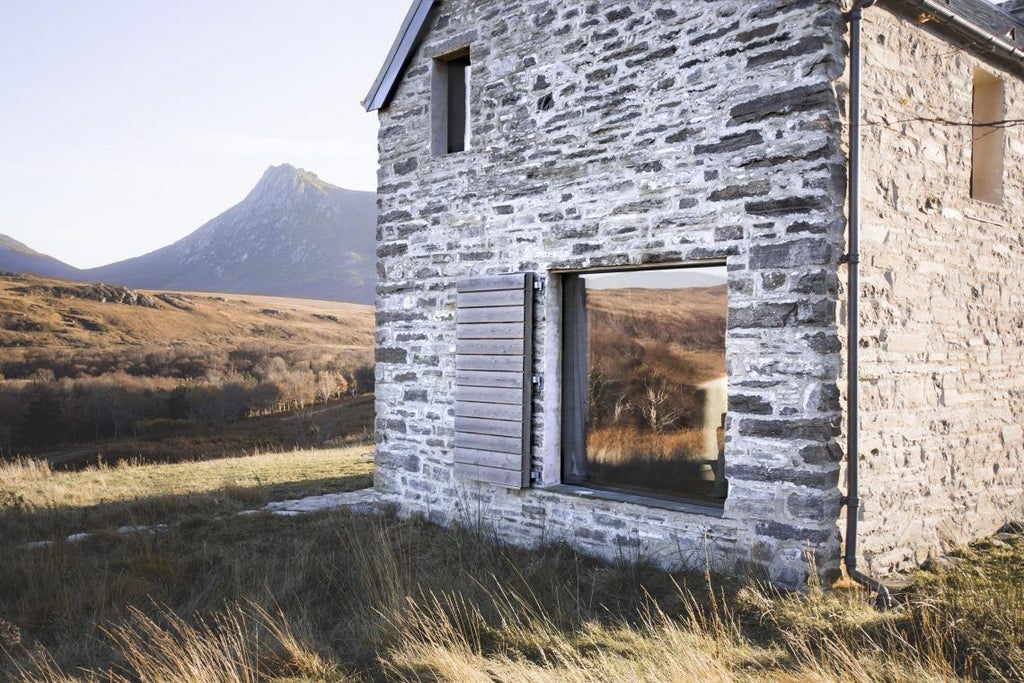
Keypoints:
pixel 37 503
pixel 338 597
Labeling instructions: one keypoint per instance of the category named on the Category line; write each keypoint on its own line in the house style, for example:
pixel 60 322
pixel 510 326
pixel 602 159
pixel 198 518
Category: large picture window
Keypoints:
pixel 644 382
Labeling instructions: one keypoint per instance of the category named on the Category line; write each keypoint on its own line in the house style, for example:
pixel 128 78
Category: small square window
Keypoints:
pixel 644 384
pixel 987 140
pixel 450 121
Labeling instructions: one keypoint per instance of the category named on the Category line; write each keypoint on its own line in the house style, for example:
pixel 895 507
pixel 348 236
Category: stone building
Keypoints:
pixel 612 297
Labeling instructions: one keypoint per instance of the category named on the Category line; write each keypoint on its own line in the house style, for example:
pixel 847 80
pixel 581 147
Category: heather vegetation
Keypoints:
pixel 84 363
pixel 341 597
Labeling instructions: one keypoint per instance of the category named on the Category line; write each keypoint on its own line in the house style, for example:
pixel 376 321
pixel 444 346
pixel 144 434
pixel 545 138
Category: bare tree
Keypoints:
pixel 657 404
pixel 329 384
pixel 621 409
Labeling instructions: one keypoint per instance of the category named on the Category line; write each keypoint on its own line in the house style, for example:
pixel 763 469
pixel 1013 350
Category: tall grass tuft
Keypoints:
pixel 21 471
pixel 236 645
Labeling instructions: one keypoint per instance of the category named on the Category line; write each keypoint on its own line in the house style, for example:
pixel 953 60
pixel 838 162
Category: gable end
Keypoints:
pixel 406 41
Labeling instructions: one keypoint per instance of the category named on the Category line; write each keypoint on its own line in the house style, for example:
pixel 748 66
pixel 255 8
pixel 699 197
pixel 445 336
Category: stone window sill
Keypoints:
pixel 635 499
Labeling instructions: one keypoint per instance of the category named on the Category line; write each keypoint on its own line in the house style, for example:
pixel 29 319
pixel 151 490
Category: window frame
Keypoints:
pixel 988 105
pixel 450 110
pixel 560 454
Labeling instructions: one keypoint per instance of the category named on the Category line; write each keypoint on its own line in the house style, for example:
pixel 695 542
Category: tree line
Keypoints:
pixel 44 411
pixel 184 361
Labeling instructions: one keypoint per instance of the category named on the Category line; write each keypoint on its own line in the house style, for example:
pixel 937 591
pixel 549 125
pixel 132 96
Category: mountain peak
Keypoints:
pixel 288 172
pixel 293 235
pixel 283 181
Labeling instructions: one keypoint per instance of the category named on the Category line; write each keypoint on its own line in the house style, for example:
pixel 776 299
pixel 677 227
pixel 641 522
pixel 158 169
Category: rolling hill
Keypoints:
pixel 18 258
pixel 80 330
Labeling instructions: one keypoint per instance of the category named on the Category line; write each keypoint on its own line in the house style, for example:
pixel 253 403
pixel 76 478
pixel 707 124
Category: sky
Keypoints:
pixel 127 124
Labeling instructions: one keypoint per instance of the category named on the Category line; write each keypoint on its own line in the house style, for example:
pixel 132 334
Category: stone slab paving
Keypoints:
pixel 361 502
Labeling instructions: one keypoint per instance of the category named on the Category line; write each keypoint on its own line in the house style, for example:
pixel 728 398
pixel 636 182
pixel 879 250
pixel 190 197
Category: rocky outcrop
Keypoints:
pixel 101 292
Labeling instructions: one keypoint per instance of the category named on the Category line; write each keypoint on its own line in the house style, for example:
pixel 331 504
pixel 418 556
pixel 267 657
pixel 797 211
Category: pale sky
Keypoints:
pixel 127 124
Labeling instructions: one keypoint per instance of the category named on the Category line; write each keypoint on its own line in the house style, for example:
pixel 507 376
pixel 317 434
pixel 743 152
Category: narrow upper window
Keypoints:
pixel 644 382
pixel 987 140
pixel 450 103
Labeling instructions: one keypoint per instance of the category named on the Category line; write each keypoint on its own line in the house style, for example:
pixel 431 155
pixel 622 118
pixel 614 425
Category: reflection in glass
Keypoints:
pixel 644 382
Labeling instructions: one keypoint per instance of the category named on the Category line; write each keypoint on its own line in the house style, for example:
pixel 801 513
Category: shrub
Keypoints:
pixel 163 426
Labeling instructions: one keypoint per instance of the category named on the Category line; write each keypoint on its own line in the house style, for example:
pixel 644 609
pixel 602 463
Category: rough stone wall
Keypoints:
pixel 942 305
pixel 627 134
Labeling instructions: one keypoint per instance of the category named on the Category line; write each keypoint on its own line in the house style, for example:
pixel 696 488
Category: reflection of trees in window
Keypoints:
pixel 644 382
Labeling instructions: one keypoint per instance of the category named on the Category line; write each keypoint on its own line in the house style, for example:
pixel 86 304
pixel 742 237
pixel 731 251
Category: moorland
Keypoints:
pixel 650 354
pixel 91 368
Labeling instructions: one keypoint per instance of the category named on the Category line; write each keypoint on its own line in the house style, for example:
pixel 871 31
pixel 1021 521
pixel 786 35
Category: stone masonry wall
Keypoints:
pixel 627 134
pixel 942 305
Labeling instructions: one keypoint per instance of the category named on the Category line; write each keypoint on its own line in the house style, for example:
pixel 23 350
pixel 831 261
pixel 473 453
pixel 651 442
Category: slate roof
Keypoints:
pixel 975 25
pixel 1014 7
pixel 409 36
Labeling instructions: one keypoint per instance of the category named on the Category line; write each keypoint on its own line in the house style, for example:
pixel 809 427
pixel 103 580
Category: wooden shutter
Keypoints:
pixel 494 323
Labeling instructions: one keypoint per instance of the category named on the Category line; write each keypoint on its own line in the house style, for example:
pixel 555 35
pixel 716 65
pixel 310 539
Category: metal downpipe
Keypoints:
pixel 884 598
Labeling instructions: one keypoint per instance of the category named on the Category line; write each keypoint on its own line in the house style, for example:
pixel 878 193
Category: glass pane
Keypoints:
pixel 458 104
pixel 655 392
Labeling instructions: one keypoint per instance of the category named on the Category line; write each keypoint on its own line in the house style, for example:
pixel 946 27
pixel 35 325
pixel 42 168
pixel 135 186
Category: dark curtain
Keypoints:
pixel 574 379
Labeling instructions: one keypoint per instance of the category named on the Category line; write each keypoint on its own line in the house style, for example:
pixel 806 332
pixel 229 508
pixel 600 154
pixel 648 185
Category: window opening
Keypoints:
pixel 450 103
pixel 987 140
pixel 644 382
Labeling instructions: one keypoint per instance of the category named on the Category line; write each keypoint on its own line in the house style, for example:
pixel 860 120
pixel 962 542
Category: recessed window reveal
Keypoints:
pixel 644 382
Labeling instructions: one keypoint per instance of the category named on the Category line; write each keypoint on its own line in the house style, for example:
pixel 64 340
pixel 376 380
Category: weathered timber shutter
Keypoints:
pixel 494 323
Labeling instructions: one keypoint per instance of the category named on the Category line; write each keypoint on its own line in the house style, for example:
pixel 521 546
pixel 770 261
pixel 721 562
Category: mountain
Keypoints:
pixel 293 235
pixel 15 257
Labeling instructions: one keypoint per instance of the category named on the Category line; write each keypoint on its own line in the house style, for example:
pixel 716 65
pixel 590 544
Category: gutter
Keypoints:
pixel 884 597
pixel 986 39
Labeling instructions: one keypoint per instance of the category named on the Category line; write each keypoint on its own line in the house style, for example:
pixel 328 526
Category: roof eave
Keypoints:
pixel 405 42
pixel 975 25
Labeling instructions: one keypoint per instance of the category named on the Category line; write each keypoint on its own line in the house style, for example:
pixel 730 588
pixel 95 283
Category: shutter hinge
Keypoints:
pixel 534 476
pixel 538 284
pixel 537 381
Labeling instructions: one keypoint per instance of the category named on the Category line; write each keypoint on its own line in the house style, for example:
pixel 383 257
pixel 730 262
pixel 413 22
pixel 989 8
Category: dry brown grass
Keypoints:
pixel 74 370
pixel 38 504
pixel 337 597
pixel 48 332
pixel 693 318
pixel 648 353
pixel 216 321
pixel 613 446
